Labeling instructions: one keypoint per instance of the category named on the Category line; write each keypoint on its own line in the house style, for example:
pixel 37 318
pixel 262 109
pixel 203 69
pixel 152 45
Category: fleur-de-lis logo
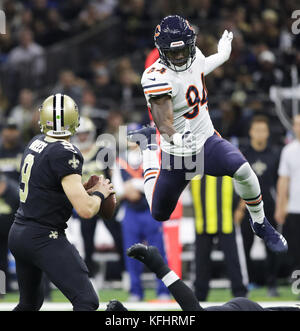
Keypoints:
pixel 53 235
pixel 74 163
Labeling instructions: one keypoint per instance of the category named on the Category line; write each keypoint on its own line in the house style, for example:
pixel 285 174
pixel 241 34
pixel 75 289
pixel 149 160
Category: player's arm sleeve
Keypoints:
pixel 284 168
pixel 212 62
pixel 157 85
pixel 66 162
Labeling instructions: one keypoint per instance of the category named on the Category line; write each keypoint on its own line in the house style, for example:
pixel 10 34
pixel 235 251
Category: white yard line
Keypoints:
pixel 142 306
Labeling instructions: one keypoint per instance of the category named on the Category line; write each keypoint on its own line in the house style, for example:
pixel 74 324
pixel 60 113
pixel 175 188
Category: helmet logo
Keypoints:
pixel 157 31
pixel 177 43
pixel 188 24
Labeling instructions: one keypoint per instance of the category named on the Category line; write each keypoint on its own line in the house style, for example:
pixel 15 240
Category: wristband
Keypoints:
pixel 177 139
pixel 100 195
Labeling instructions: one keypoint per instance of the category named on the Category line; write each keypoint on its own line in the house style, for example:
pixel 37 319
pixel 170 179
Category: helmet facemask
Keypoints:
pixel 178 58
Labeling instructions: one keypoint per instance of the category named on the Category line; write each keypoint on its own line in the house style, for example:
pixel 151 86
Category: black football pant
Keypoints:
pixel 204 245
pixel 291 231
pixel 39 249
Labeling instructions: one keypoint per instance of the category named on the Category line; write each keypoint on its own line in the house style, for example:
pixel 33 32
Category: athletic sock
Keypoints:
pixel 248 188
pixel 183 295
pixel 151 170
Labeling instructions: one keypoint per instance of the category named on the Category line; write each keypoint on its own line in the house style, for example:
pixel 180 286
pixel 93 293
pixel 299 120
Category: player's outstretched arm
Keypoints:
pixel 85 205
pixel 224 50
pixel 150 256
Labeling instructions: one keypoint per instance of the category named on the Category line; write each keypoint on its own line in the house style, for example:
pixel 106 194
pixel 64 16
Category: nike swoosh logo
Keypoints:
pixel 152 78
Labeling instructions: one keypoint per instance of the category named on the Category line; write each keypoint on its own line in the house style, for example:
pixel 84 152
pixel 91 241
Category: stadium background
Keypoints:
pixel 95 52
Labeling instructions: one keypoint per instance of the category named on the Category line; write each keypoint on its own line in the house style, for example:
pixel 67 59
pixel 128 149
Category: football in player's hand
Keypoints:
pixel 91 182
pixel 108 206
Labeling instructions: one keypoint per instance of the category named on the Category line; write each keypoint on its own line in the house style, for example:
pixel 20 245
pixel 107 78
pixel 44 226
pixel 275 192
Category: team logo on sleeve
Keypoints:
pixel 53 235
pixel 74 163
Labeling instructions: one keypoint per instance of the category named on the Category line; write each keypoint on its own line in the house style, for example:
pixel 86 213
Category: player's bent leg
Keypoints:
pixel 30 286
pixel 162 186
pixel 63 265
pixel 151 257
pixel 29 276
pixel 222 158
pixel 248 188
pixel 168 187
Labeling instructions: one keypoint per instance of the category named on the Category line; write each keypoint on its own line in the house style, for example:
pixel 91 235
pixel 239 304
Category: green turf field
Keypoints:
pixel 216 295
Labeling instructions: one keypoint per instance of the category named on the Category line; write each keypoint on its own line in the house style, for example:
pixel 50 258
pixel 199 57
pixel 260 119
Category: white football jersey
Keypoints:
pixel 189 97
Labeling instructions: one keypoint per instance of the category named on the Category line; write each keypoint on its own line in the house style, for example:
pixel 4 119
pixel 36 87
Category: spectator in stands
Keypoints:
pixel 71 85
pixel 270 28
pixel 51 30
pixel 128 89
pixel 135 33
pixel 27 54
pixel 4 105
pixel 268 74
pixel 288 196
pixel 96 11
pixel 103 85
pixel 89 109
pixel 22 113
pixel 115 120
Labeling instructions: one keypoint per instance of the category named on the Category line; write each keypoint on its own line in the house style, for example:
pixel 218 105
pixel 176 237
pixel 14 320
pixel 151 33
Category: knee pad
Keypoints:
pixel 243 172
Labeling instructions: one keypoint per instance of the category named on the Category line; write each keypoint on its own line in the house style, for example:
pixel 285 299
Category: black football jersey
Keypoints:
pixel 45 162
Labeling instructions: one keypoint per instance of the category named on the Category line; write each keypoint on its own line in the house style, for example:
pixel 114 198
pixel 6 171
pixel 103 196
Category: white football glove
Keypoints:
pixel 224 45
pixel 187 139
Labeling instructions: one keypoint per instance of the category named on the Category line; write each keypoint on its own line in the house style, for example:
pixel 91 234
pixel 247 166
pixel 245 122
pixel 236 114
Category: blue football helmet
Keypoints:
pixel 175 40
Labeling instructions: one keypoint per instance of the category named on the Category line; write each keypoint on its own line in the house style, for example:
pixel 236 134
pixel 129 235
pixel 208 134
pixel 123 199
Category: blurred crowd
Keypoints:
pixel 107 79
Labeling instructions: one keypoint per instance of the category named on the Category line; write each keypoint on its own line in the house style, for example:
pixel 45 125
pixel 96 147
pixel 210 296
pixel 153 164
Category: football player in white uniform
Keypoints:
pixel 175 91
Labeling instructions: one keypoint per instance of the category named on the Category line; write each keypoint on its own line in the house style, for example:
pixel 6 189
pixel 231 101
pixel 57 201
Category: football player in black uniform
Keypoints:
pixel 150 256
pixel 50 187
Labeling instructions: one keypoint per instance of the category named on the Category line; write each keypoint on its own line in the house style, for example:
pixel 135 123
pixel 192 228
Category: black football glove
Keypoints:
pixel 115 305
pixel 149 255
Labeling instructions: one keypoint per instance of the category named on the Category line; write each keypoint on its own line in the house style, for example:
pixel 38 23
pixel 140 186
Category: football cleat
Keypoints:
pixel 273 239
pixel 144 137
pixel 115 305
